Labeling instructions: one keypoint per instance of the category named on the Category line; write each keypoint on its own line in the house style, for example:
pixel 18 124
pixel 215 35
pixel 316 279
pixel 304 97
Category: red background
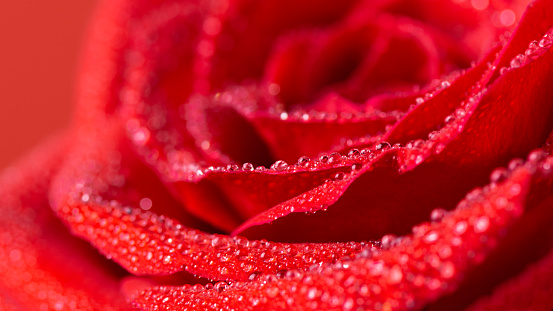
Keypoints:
pixel 40 43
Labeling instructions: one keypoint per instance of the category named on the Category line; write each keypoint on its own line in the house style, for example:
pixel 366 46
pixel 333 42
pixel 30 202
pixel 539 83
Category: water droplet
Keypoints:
pixel 419 100
pixel 515 163
pixel 396 275
pixel 532 47
pixel 388 240
pixel 348 304
pixel 445 84
pixel 271 292
pixel 141 136
pixel 481 224
pixel 537 155
pixel 312 293
pixel 221 286
pixel 339 176
pixel 438 214
pixel 356 166
pixel 431 237
pixel 383 146
pixel 253 276
pixel 460 112
pixel 545 42
pixel 279 166
pixel 353 153
pixel 232 167
pixel 450 119
pixel 460 227
pixel 283 115
pixel 498 175
pixel 304 162
pixel 334 157
pixel 503 70
pixel 247 167
pixel 517 61
pixel 447 270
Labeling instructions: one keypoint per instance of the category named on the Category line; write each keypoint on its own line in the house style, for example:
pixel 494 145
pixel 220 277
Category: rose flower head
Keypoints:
pixel 294 155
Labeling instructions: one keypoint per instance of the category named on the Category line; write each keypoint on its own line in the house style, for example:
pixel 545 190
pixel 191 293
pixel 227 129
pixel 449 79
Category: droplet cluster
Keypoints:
pixel 534 50
pixel 405 273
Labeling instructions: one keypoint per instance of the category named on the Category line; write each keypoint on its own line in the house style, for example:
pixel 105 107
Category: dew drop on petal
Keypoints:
pixel 388 240
pixel 220 286
pixel 312 293
pixel 395 276
pixel 437 214
pixel 498 175
pixel 431 237
pixel 279 166
pixel 515 163
pixel 304 161
pixel 517 61
pixel 449 119
pixel 334 157
pixel 353 152
pixel 141 136
pixel 247 167
pixel 447 270
pixel 339 176
pixel 545 42
pixel 348 305
pixel 383 146
pixel 537 155
pixel 481 224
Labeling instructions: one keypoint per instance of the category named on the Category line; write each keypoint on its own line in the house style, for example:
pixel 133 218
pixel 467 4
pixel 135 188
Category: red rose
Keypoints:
pixel 396 118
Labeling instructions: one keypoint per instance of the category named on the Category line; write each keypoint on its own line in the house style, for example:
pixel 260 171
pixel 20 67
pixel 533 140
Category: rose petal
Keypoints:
pixel 232 131
pixel 41 265
pixel 531 290
pixel 414 271
pixel 97 193
pixel 443 158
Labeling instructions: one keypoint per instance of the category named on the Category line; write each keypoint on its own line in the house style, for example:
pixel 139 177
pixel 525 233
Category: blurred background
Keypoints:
pixel 40 44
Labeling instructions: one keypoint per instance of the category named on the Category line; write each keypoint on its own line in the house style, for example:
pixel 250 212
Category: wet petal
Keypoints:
pixel 414 271
pixel 41 265
pixel 108 198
